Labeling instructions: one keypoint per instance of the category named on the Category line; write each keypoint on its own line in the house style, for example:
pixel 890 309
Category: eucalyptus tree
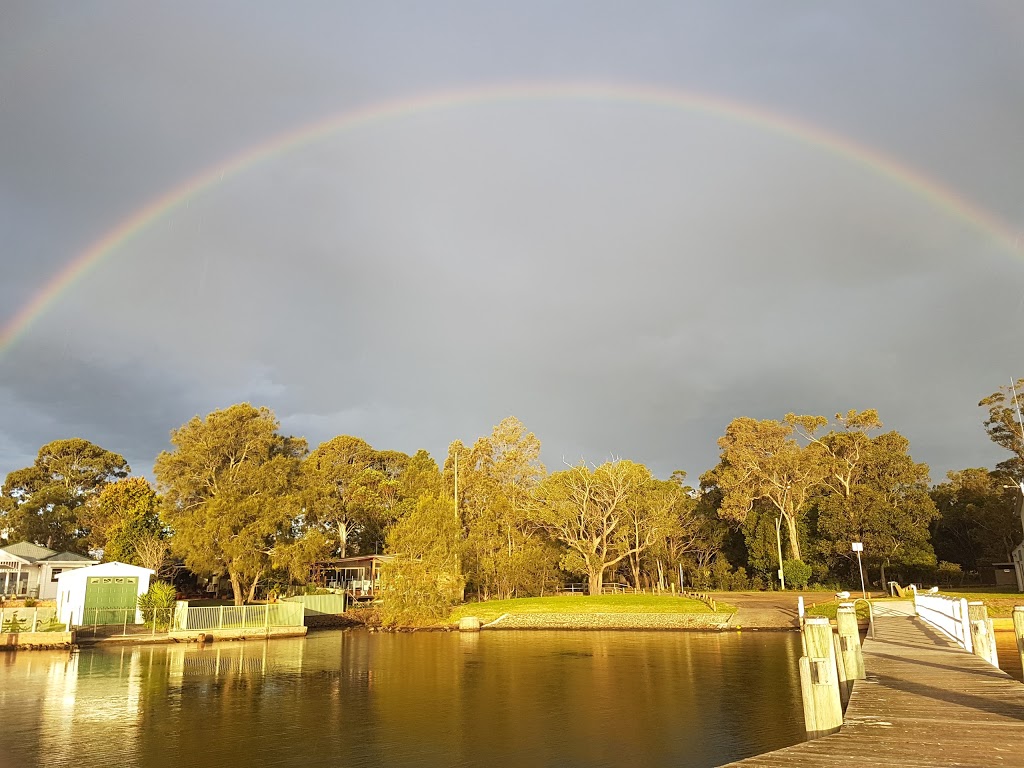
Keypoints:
pixel 763 460
pixel 124 520
pixel 592 513
pixel 978 521
pixel 502 555
pixel 230 493
pixel 44 502
pixel 1004 428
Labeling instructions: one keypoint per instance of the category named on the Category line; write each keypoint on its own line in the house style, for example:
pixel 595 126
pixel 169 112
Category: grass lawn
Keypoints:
pixel 999 600
pixel 492 609
pixel 828 609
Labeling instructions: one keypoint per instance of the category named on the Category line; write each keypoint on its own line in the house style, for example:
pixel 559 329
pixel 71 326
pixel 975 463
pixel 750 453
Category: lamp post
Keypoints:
pixel 778 542
pixel 858 547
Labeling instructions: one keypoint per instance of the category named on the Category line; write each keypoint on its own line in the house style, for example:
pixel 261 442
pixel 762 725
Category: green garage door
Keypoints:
pixel 110 599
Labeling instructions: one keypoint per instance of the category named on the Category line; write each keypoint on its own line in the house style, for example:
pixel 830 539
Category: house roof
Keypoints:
pixel 68 557
pixel 25 550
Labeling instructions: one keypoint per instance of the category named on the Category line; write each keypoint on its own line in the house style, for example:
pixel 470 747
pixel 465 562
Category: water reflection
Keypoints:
pixel 359 699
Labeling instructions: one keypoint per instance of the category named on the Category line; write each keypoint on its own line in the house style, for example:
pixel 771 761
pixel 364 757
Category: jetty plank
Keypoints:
pixel 925 702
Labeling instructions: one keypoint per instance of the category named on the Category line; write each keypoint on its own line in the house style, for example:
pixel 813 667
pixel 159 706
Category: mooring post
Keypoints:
pixel 819 679
pixel 849 631
pixel 982 636
pixel 1018 630
pixel 842 675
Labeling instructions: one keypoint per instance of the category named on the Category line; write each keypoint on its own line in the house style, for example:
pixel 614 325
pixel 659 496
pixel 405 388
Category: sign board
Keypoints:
pixel 858 546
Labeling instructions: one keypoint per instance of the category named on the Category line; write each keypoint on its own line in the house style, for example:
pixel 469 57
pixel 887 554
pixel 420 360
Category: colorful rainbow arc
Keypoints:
pixel 932 191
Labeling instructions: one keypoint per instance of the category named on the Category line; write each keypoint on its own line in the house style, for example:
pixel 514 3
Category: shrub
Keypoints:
pixel 157 604
pixel 30 602
pixel 797 573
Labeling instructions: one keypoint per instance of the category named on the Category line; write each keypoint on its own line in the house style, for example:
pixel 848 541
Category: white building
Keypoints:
pixel 107 593
pixel 28 570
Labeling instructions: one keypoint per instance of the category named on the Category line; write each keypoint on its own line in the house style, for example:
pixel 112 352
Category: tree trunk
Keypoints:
pixel 343 538
pixel 634 567
pixel 596 581
pixel 236 587
pixel 252 587
pixel 794 540
pixel 885 584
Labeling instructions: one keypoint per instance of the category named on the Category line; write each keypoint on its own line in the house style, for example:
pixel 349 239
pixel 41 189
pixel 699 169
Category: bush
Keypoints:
pixel 30 602
pixel 158 604
pixel 797 573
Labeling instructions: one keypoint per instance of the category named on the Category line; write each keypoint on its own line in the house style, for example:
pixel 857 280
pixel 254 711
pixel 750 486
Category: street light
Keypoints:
pixel 858 547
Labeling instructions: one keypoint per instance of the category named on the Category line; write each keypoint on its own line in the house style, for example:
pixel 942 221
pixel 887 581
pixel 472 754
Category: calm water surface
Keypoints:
pixel 429 699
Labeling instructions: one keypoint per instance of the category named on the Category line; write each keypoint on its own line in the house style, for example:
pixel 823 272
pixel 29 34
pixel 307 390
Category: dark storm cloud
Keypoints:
pixel 625 279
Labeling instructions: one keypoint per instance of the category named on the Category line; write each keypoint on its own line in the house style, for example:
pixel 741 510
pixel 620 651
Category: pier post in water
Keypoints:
pixel 982 635
pixel 819 679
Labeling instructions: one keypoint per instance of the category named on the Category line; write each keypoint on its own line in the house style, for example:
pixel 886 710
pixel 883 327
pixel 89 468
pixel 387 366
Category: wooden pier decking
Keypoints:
pixel 925 703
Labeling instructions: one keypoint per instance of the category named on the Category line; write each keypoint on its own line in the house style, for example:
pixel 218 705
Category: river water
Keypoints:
pixel 425 699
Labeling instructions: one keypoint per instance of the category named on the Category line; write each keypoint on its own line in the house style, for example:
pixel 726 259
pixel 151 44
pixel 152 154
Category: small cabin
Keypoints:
pixel 358 577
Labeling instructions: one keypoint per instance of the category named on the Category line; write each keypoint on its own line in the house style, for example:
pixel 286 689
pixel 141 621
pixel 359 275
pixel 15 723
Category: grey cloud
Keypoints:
pixel 623 278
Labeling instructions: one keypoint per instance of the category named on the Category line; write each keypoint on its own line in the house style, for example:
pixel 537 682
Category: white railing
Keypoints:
pixel 189 618
pixel 946 614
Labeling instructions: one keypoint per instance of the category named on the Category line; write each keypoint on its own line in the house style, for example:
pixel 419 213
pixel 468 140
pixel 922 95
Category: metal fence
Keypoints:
pixel 188 618
pixel 124 621
pixel 316 605
pixel 30 620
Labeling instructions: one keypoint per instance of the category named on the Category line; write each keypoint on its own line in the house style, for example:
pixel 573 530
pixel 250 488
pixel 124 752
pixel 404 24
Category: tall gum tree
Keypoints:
pixel 44 503
pixel 229 488
pixel 762 460
pixel 1004 429
pixel 588 510
pixel 497 476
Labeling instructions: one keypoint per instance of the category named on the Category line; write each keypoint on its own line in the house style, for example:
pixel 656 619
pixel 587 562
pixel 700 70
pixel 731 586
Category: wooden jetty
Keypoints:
pixel 925 702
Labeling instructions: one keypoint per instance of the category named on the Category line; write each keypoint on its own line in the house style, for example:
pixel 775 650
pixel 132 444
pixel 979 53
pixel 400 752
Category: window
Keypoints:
pixel 55 573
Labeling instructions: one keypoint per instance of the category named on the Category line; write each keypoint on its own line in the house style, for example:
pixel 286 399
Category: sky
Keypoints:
pixel 625 224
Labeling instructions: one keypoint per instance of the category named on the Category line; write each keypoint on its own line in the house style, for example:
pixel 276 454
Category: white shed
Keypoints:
pixel 107 593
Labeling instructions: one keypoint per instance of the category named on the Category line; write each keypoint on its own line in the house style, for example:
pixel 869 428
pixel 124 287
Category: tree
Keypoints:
pixel 656 513
pixel 588 510
pixel 763 460
pixel 888 509
pixel 978 520
pixel 1004 429
pixel 424 580
pixel 121 516
pixel 230 495
pixel 43 503
pixel 502 556
pixel 352 493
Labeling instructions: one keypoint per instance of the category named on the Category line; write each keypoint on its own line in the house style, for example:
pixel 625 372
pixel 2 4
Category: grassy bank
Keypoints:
pixel 999 600
pixel 584 604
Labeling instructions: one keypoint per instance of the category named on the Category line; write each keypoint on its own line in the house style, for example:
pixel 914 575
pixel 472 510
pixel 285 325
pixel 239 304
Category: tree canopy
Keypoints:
pixel 43 503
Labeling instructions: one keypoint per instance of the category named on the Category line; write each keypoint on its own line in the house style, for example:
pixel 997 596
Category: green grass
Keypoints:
pixel 492 609
pixel 999 600
pixel 828 609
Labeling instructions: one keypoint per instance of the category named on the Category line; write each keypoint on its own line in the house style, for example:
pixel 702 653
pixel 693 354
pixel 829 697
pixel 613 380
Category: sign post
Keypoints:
pixel 858 547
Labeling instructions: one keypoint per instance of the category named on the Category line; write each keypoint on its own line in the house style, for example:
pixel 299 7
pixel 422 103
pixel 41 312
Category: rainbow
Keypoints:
pixel 789 127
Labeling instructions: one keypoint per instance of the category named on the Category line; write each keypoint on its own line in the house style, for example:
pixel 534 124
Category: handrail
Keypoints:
pixel 948 615
pixel 871 615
